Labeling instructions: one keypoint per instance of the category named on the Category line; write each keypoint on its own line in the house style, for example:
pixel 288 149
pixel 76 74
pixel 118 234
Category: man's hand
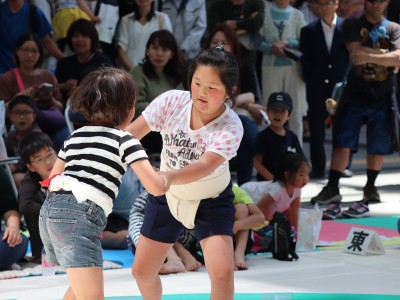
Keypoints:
pixel 12 236
pixel 359 57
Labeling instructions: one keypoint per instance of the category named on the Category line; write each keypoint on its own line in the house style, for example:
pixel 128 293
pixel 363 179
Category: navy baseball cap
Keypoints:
pixel 280 100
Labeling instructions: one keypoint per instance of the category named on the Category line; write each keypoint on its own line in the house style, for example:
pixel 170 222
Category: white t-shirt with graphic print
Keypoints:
pixel 170 114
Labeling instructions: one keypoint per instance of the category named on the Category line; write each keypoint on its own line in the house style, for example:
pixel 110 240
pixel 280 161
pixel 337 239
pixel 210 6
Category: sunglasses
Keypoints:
pixel 376 1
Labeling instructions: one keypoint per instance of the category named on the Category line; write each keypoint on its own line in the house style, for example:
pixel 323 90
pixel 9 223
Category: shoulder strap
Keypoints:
pixel 19 79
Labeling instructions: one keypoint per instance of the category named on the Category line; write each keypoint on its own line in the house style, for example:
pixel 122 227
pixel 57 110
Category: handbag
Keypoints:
pixel 308 228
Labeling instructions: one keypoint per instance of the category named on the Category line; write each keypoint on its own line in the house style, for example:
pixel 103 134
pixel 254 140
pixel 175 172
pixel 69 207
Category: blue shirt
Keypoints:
pixel 12 26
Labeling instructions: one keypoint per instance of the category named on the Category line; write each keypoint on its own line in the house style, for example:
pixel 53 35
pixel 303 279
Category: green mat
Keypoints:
pixel 274 296
pixel 389 222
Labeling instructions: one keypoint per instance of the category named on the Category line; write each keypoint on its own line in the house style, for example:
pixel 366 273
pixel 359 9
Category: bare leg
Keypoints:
pixel 241 237
pixel 218 256
pixel 69 294
pixel 149 258
pixel 173 265
pixel 340 159
pixel 86 283
pixel 240 248
pixel 374 162
pixel 114 240
pixel 189 261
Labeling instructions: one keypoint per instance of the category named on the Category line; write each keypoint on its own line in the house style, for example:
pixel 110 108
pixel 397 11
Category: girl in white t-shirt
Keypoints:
pixel 134 30
pixel 283 194
pixel 200 135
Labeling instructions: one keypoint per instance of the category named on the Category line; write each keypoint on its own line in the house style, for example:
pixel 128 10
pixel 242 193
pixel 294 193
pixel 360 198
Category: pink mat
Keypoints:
pixel 332 231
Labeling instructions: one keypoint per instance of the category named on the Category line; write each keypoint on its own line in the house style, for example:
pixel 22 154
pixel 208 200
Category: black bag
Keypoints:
pixel 283 244
pixel 293 54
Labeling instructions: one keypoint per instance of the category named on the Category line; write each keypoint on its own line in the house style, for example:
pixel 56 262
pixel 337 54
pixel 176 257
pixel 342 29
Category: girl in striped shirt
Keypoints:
pixel 86 177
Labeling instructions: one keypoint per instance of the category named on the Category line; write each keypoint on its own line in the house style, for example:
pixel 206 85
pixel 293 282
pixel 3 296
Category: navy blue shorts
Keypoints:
pixel 377 118
pixel 215 216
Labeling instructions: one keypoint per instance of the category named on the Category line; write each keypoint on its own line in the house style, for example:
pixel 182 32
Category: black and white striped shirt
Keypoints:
pixel 98 156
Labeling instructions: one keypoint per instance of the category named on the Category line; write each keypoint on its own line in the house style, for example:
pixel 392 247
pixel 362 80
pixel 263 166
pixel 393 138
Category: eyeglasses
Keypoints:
pixel 376 1
pixel 22 113
pixel 42 161
pixel 30 50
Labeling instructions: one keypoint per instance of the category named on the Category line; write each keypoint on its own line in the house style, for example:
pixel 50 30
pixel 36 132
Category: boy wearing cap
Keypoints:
pixel 277 139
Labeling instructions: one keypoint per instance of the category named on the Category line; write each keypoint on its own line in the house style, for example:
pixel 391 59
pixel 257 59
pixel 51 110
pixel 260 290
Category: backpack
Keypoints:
pixel 283 242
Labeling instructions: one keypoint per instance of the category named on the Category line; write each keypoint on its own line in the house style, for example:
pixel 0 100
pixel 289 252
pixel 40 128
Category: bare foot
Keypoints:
pixel 191 263
pixel 239 262
pixel 175 266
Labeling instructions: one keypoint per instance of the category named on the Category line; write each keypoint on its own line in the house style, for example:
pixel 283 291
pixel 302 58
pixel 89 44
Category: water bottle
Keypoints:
pixel 48 269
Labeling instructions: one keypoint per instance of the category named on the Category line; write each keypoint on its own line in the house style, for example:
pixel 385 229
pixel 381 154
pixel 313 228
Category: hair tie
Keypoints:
pixel 219 47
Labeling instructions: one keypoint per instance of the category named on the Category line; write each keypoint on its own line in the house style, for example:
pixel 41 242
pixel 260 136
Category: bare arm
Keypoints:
pixel 292 213
pixel 58 167
pixel 362 55
pixel 155 183
pixel 86 9
pixel 138 128
pixel 201 168
pixel 253 219
pixel 257 161
pixel 51 47
pixel 125 61
pixel 12 235
pixel 57 103
pixel 244 99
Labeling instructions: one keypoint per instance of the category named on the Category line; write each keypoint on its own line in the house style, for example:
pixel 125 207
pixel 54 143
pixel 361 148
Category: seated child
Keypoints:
pixel 279 108
pixel 247 216
pixel 284 192
pixel 181 257
pixel 37 152
pixel 22 115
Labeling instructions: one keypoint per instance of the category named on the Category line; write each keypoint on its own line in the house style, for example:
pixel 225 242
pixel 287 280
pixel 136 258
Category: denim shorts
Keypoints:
pixel 71 231
pixel 215 216
pixel 377 118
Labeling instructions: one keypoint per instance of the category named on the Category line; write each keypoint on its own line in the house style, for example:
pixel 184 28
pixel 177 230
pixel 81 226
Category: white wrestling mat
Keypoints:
pixel 321 274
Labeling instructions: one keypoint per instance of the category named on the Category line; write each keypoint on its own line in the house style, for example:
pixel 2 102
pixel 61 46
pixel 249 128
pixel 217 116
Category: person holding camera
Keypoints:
pixel 41 85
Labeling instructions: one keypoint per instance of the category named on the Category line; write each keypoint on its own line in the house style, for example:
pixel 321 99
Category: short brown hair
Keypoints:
pixel 106 96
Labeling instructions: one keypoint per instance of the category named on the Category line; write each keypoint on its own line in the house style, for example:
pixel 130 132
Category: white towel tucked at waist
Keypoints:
pixel 184 199
pixel 81 191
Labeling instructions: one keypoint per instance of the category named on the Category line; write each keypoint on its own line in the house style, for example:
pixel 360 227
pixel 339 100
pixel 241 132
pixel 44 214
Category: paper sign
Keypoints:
pixel 363 241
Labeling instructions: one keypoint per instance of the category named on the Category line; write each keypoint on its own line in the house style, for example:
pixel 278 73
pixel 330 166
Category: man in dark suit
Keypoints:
pixel 324 63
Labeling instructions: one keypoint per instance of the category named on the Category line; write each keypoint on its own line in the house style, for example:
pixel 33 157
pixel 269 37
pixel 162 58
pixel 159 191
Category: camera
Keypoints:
pixel 46 87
